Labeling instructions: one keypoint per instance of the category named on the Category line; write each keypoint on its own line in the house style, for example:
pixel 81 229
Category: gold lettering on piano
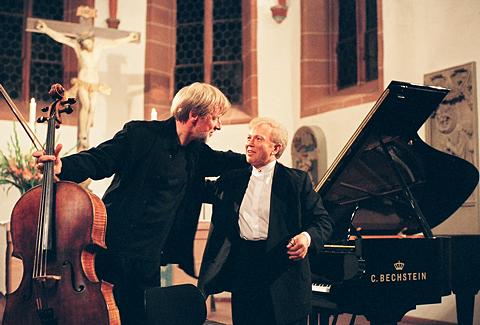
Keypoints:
pixel 400 276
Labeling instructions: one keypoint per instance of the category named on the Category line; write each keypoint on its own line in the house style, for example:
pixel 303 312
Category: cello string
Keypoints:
pixel 38 269
pixel 47 217
pixel 44 215
pixel 46 202
pixel 40 261
pixel 37 259
pixel 48 172
pixel 48 190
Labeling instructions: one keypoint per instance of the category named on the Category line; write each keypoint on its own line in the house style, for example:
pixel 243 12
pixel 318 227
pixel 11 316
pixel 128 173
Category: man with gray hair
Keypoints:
pixel 266 218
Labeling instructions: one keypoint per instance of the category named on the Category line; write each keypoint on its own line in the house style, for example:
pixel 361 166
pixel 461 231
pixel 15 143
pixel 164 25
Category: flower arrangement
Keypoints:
pixel 18 169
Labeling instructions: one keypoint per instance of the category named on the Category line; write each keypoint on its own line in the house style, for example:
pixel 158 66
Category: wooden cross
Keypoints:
pixel 81 38
pixel 87 16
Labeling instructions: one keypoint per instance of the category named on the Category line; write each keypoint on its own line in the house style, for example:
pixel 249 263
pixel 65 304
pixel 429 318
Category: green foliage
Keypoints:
pixel 17 169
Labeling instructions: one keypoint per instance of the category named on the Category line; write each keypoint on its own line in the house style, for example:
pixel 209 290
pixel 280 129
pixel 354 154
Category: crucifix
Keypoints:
pixel 88 42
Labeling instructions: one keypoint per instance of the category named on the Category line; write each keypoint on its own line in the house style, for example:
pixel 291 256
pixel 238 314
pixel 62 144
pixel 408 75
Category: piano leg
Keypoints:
pixel 465 302
pixel 352 320
pixel 319 319
pixel 313 318
pixel 324 319
pixel 335 318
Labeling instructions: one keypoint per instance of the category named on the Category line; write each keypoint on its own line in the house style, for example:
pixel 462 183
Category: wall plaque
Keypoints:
pixel 309 152
pixel 453 128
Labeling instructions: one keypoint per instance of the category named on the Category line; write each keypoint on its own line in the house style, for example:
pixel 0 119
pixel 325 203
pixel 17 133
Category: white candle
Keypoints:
pixel 32 113
pixel 153 114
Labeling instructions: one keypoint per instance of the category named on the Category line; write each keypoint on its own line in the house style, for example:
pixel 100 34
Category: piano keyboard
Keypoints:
pixel 321 287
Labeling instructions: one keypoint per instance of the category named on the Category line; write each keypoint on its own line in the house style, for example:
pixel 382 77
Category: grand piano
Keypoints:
pixel 385 192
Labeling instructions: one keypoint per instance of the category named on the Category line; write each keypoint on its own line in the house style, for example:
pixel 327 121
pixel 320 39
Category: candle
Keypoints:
pixel 32 113
pixel 153 114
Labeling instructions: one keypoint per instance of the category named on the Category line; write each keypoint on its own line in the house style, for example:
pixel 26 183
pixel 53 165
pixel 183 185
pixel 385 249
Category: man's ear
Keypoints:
pixel 276 148
pixel 193 117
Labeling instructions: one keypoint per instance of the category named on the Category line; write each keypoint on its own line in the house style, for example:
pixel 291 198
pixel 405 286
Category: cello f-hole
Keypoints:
pixel 77 285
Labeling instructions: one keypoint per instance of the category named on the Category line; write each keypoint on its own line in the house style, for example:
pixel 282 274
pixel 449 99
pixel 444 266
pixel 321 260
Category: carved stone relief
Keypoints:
pixel 309 152
pixel 453 127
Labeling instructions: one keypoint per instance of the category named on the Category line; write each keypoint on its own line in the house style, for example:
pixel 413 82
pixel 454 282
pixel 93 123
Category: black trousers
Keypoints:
pixel 130 277
pixel 255 308
pixel 251 298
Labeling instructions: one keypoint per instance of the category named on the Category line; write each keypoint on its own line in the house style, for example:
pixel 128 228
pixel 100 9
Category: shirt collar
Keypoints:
pixel 265 170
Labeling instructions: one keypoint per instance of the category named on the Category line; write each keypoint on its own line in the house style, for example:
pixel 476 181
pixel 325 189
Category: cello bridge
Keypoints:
pixel 48 280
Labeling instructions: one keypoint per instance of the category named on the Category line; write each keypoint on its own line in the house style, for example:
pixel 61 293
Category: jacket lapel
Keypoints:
pixel 238 192
pixel 277 227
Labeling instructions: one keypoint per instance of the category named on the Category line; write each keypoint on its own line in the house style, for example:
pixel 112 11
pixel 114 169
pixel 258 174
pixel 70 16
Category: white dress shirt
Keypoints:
pixel 254 213
pixel 255 208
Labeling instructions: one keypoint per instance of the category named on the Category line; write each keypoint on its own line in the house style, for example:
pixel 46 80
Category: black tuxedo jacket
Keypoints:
pixel 294 207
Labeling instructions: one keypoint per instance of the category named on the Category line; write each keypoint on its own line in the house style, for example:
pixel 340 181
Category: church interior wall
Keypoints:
pixel 122 68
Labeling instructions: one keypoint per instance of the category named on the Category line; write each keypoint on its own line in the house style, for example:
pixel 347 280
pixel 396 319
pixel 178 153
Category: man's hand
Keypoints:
pixel 42 158
pixel 298 247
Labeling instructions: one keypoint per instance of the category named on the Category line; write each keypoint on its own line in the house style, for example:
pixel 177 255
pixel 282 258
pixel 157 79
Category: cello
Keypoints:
pixel 57 228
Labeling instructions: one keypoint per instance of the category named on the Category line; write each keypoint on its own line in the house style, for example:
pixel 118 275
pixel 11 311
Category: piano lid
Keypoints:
pixel 389 176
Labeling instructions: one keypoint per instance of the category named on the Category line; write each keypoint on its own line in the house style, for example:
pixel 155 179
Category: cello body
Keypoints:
pixel 56 229
pixel 71 293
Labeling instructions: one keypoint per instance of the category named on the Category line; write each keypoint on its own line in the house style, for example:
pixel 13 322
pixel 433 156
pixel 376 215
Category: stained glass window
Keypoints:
pixel 371 42
pixel 45 65
pixel 190 46
pixel 352 68
pixel 11 42
pixel 209 46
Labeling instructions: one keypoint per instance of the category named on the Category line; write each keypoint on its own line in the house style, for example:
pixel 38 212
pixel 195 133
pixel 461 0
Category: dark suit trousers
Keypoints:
pixel 130 277
pixel 251 298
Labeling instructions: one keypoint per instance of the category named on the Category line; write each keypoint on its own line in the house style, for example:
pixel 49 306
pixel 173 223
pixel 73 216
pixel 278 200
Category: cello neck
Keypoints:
pixel 46 219
pixel 47 199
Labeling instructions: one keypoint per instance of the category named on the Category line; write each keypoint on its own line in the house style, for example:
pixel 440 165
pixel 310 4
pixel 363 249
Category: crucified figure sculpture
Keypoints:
pixel 88 50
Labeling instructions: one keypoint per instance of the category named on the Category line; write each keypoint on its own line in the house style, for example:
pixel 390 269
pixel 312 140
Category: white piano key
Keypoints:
pixel 320 287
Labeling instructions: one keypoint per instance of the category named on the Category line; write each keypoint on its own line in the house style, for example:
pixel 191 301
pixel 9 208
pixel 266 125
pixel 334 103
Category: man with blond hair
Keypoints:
pixel 266 217
pixel 152 203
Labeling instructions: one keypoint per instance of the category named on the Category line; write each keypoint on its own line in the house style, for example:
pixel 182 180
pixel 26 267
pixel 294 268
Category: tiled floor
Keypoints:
pixel 222 314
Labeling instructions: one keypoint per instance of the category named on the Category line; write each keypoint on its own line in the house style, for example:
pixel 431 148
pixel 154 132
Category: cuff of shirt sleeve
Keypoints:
pixel 309 239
